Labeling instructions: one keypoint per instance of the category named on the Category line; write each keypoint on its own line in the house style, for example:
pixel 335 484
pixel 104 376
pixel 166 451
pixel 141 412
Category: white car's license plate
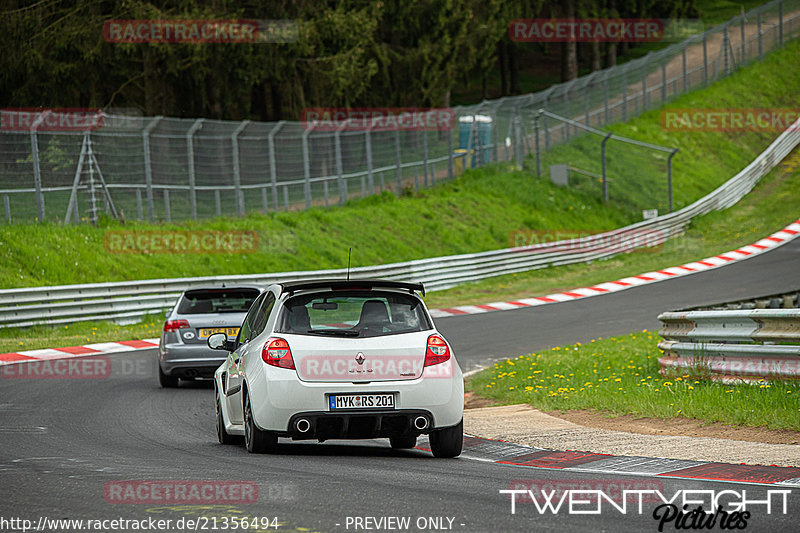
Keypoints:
pixel 361 401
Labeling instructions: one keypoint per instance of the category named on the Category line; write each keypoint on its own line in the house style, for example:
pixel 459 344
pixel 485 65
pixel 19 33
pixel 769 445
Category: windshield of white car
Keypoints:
pixel 353 314
pixel 217 301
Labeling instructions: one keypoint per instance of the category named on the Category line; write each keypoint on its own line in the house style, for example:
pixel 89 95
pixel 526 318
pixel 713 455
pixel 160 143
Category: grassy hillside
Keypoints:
pixel 476 212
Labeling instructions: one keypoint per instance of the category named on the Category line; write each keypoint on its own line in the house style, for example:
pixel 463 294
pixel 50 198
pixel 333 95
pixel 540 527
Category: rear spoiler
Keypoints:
pixel 355 284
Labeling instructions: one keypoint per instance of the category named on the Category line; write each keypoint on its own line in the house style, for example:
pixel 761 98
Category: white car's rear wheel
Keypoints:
pixel 447 442
pixel 403 443
pixel 222 436
pixel 257 440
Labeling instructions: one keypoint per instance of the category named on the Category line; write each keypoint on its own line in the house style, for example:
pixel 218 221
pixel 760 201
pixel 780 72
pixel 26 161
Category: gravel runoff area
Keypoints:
pixel 523 424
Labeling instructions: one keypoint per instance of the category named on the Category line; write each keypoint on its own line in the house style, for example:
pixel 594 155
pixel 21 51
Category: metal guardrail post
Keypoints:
pixel 148 169
pixel 340 182
pixel 37 172
pixel 307 167
pixel 237 171
pixel 190 160
pixel 669 177
pixel 273 173
pixel 603 159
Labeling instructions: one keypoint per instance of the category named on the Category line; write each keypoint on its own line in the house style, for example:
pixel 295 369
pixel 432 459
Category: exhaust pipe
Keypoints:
pixel 302 425
pixel 421 422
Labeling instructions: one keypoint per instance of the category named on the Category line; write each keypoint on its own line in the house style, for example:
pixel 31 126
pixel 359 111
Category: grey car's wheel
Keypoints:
pixel 167 382
pixel 403 443
pixel 257 440
pixel 222 436
pixel 447 442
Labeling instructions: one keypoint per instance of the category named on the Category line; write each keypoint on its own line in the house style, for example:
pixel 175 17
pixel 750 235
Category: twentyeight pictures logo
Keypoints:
pixel 586 30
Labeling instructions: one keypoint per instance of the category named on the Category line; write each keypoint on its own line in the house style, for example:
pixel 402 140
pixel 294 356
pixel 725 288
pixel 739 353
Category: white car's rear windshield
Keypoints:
pixel 354 314
pixel 217 301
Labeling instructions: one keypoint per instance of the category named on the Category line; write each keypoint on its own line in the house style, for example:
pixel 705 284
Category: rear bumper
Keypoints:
pixel 357 425
pixel 186 360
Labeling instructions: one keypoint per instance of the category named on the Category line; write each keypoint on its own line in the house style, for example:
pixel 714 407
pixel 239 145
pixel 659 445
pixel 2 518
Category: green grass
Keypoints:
pixel 620 375
pixel 769 207
pixel 79 333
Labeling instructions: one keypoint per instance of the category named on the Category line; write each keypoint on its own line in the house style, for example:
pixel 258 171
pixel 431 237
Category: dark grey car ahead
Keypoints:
pixel 183 352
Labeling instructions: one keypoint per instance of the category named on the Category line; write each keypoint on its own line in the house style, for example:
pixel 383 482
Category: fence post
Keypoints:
pixel 217 202
pixel 307 167
pixel 566 109
pixel 237 171
pixel 425 156
pixel 705 59
pixel 586 91
pixel 663 80
pixel 190 156
pixel 759 34
pixel 167 210
pixel 148 169
pixel 644 83
pixel 780 23
pixel 495 155
pixel 605 98
pixel 7 205
pixel 368 148
pixel 685 74
pixel 625 92
pixel 273 173
pixel 37 171
pixel 72 206
pixel 341 184
pixel 725 45
pixel 450 171
pixel 536 136
pixel 139 210
pixel 603 159
pixel 744 43
pixel 669 177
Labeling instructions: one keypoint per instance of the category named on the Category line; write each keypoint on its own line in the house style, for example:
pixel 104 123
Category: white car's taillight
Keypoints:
pixel 276 352
pixel 437 352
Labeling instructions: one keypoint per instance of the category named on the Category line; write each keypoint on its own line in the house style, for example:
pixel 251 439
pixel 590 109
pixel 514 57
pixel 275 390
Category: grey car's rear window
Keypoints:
pixel 353 314
pixel 217 301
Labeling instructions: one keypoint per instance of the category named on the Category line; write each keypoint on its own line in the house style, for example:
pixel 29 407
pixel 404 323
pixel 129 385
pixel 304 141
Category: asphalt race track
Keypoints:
pixel 62 441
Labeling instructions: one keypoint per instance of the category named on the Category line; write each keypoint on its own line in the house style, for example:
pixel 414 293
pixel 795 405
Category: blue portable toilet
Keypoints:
pixel 482 137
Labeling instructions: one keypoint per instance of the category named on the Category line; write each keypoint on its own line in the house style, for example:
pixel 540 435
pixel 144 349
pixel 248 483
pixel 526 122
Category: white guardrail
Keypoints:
pixel 130 299
pixel 732 345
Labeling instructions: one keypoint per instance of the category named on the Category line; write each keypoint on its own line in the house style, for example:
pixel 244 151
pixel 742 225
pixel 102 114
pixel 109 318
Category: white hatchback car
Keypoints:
pixel 336 359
